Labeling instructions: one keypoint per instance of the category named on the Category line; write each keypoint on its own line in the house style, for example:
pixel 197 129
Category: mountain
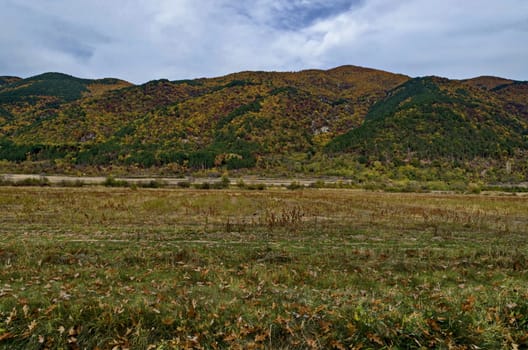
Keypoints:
pixel 237 117
pixel 57 86
pixel 307 121
pixel 430 118
pixel 25 103
pixel 8 80
pixel 487 82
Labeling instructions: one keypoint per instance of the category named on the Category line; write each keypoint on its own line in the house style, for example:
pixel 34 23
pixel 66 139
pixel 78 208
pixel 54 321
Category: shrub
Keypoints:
pixel 318 184
pixel 474 188
pixel 75 183
pixel 295 185
pixel 202 186
pixel 153 184
pixel 259 187
pixel 224 182
pixel 41 181
pixel 183 184
pixel 113 182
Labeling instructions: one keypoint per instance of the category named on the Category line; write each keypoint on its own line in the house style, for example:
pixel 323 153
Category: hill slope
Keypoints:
pixel 61 87
pixel 235 119
pixel 26 101
pixel 431 118
pixel 4 80
pixel 266 120
pixel 442 124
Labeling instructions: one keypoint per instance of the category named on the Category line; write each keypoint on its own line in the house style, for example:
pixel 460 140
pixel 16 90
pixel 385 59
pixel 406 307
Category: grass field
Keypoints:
pixel 122 268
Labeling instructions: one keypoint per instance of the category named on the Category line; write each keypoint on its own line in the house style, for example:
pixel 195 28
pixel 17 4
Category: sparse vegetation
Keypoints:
pixel 115 268
pixel 33 181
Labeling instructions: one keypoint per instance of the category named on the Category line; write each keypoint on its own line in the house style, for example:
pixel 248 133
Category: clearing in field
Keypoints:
pixel 179 268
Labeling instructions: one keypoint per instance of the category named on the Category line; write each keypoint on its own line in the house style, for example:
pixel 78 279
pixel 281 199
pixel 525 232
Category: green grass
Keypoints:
pixel 137 268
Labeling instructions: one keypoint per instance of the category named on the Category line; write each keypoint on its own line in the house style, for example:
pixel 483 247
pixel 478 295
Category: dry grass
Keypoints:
pixel 166 268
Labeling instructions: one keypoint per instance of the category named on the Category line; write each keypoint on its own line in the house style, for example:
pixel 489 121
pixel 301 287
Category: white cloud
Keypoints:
pixel 451 38
pixel 141 40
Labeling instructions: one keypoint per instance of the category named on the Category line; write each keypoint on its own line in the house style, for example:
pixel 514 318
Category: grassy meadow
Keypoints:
pixel 136 268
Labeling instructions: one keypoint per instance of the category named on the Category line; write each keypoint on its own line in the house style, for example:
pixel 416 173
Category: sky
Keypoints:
pixel 142 40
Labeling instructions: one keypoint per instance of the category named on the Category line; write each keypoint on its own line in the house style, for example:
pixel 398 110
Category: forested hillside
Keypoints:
pixel 431 118
pixel 8 80
pixel 342 121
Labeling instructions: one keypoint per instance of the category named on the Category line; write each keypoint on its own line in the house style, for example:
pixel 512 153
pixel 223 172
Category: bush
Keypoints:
pixel 112 182
pixel 437 186
pixel 75 183
pixel 202 186
pixel 295 185
pixel 319 184
pixel 259 187
pixel 41 181
pixel 474 188
pixel 458 186
pixel 184 184
pixel 153 184
pixel 224 182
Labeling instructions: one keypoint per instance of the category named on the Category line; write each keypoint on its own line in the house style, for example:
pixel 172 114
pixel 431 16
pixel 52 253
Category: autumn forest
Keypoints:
pixel 352 122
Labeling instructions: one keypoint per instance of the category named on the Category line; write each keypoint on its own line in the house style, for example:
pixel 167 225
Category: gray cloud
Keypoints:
pixel 294 14
pixel 139 40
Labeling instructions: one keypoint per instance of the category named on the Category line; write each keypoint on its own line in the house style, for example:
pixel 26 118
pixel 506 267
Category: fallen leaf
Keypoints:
pixel 72 331
pixel 337 345
pixel 167 321
pixel 374 338
pixel 6 336
pixel 469 303
pixel 32 325
pixel 25 308
pixel 312 343
pixel 50 309
pixel 11 317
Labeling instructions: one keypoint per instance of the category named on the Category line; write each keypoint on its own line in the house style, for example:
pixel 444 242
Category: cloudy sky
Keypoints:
pixel 141 40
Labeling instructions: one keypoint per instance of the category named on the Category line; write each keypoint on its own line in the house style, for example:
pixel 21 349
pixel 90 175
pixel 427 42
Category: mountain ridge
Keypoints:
pixel 301 122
